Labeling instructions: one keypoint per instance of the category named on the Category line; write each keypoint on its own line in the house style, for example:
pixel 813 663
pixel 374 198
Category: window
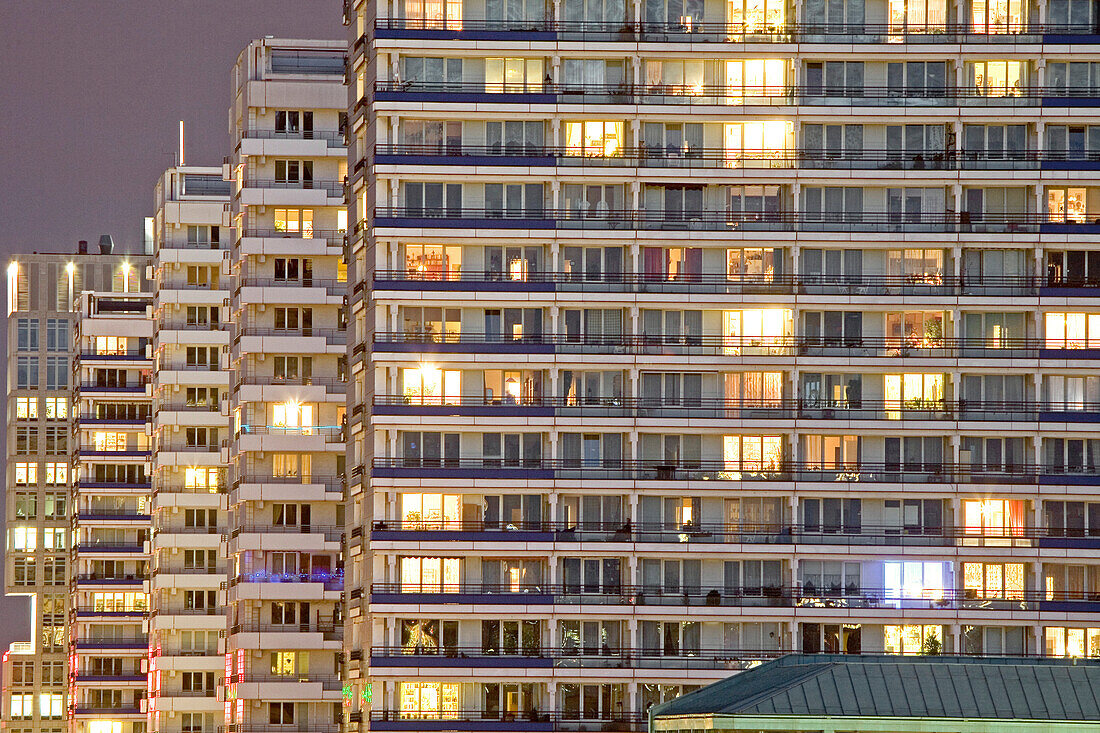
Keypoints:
pixel 53 570
pixel 22 706
pixel 292 417
pixel 1080 582
pixel 1071 330
pixel 834 78
pixel 26 502
pixel 753 389
pixel 993 580
pixel 752 79
pixel 594 138
pixel 1067 205
pixel 26 440
pixel 831 453
pixel 57 372
pixel 202 478
pixel 26 408
pixel 57 408
pixel 54 505
pixel 430 574
pixel 513 75
pixel 911 639
pixel 287 664
pixel 428 699
pixel 57 334
pixel 907 581
pixel 109 441
pixel 768 328
pixel 835 329
pixel 26 571
pixel 26 474
pixel 433 199
pixel 998 78
pixel 1070 455
pixel 831 638
pixel 514 199
pixel 754 264
pixel 755 141
pixel 917 16
pixel 751 454
pixel 22 673
pixel 26 372
pixel 755 16
pixel 119 602
pixel 431 511
pixel 294 171
pixel 24 539
pixel 1074 79
pixel 294 221
pixel 591 702
pixel 670 638
pixel 912 392
pixel 26 330
pixel 1063 642
pixel 280 713
pixel 1072 518
pixel 994 517
pixel 53 538
pixel 829 578
pixel 832 516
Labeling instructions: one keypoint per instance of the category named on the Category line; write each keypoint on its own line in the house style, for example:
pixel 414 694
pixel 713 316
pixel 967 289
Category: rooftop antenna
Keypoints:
pixel 181 144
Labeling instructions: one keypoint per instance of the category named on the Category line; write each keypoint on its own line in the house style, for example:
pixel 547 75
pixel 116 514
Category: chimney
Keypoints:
pixel 106 244
pixel 82 247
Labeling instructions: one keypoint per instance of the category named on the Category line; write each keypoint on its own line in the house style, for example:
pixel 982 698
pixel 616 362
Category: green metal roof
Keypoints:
pixel 902 687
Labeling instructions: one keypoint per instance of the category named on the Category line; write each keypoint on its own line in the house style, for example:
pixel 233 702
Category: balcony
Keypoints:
pixel 552 658
pixel 727 221
pixel 332 236
pixel 864 472
pixel 723 32
pixel 845 537
pixel 699 95
pixel 806 597
pixel 333 138
pixel 869 347
pixel 332 287
pixel 331 533
pixel 931 285
pixel 331 580
pixel 332 189
pixel 868 159
pixel 733 409
pixel 122 642
pixel 491 721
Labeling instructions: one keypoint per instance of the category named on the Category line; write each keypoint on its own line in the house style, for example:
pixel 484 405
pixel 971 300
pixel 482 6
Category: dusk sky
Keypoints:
pixel 92 94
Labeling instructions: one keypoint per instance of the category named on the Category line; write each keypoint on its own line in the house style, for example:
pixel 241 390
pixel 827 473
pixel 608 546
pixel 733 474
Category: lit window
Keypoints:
pixel 917 16
pixel 110 345
pixel 994 517
pixel 57 408
pixel 26 474
pixel 914 581
pixel 22 706
pixel 913 639
pixel 1072 330
pixel 594 138
pixel 754 16
pixel 294 221
pixel 998 78
pixel 749 141
pixel 109 441
pixel 997 16
pixel 24 539
pixel 292 417
pixel 830 452
pixel 433 14
pixel 1067 205
pixel 289 663
pixel 751 454
pixel 1067 642
pixel 433 262
pixel 201 478
pixel 428 699
pixel 912 392
pixel 430 386
pixel 49 705
pixel 768 328
pixel 430 574
pixel 513 75
pixel 57 474
pixel 119 602
pixel 431 511
pixel 993 580
pixel 755 78
pixel 26 408
pixel 53 538
pixel 753 389
pixel 104 726
pixel 916 265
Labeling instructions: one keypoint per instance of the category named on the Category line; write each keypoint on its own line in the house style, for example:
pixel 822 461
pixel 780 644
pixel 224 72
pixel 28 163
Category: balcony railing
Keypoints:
pixel 331 533
pixel 716 345
pixel 741 409
pixel 933 600
pixel 476 720
pixel 721 158
pixel 334 138
pixel 702 31
pixel 578 658
pixel 331 335
pixel 333 287
pixel 538 217
pixel 722 95
pixel 332 189
pixel 716 470
pixel 329 579
pixel 823 534
pixel 334 236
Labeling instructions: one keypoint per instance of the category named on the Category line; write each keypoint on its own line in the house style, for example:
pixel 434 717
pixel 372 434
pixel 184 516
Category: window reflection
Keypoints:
pixel 998 78
pixel 594 138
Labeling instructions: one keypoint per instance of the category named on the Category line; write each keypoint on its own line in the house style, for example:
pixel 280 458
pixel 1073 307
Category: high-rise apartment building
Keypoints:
pixel 109 601
pixel 287 402
pixel 192 383
pixel 43 477
pixel 688 333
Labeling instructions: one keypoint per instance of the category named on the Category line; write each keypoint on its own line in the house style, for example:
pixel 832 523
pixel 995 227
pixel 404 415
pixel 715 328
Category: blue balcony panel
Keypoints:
pixel 1069 543
pixel 1090 354
pixel 1068 416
